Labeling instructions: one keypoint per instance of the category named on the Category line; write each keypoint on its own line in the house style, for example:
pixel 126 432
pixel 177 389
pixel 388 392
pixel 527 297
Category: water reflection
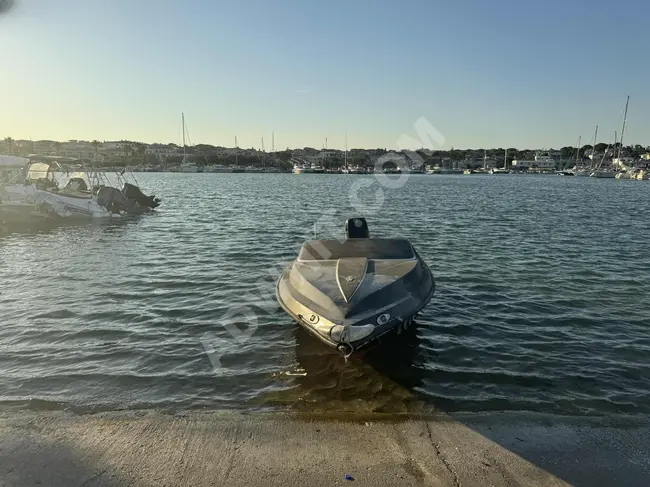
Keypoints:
pixel 40 227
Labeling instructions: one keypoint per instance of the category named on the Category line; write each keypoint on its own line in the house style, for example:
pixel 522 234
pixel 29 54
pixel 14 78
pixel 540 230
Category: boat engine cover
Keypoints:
pixel 357 228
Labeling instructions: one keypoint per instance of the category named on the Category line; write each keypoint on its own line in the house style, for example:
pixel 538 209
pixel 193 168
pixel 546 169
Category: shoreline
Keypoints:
pixel 223 447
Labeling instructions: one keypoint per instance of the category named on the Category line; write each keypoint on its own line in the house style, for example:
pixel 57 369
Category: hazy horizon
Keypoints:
pixel 267 146
pixel 494 75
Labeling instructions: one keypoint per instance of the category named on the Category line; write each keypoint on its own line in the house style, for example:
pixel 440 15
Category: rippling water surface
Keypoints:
pixel 542 299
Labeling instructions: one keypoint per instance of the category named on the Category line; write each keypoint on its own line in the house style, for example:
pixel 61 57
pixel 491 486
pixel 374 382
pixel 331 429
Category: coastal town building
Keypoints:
pixel 543 161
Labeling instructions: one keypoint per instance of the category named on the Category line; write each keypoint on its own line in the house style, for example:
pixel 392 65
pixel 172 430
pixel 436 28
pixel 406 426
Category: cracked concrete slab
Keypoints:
pixel 235 449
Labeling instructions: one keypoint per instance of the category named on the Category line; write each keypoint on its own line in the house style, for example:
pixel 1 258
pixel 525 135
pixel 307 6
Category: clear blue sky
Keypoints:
pixel 483 73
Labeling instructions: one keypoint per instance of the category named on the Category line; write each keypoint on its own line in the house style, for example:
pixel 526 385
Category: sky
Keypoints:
pixel 482 74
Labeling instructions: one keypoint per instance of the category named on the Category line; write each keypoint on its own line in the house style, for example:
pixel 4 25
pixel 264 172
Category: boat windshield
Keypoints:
pixel 371 248
pixel 38 170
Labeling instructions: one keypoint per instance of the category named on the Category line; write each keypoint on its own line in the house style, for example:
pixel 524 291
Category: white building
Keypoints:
pixel 543 161
pixel 163 151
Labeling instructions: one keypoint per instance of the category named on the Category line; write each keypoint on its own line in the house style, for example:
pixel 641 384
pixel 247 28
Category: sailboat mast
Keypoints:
pixel 263 154
pixel 236 152
pixel 484 158
pixel 346 148
pixel 578 151
pixel 593 149
pixel 183 124
pixel 623 131
pixel 505 160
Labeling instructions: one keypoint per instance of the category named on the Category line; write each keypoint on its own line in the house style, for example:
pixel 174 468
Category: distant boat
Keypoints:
pixel 610 172
pixel 186 165
pixel 581 172
pixel 643 175
pixel 301 168
pixel 469 171
pixel 603 174
pixel 217 168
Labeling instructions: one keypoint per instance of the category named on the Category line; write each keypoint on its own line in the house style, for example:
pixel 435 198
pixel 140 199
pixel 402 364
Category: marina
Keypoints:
pixel 120 311
pixel 280 243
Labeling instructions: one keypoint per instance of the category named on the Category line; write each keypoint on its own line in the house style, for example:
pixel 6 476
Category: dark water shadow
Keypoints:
pixel 43 227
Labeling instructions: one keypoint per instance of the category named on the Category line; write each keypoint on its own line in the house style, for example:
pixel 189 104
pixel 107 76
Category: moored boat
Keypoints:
pixel 350 293
pixel 84 196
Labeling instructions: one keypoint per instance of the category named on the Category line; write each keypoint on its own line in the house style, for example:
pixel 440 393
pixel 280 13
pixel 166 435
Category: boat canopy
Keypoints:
pixel 13 161
pixel 38 170
pixel 370 248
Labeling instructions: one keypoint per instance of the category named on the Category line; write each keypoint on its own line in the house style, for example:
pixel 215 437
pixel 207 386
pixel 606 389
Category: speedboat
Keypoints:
pixel 40 195
pixel 350 293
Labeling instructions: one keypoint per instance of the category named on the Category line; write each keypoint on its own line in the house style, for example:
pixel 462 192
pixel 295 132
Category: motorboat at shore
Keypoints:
pixel 36 194
pixel 350 293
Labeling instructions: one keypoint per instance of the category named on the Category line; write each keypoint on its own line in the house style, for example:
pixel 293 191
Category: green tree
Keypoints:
pixel 9 143
pixel 513 153
pixel 568 152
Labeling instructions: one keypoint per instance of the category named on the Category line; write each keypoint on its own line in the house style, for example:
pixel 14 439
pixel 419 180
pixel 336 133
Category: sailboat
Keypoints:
pixel 470 170
pixel 346 169
pixel 581 170
pixel 187 165
pixel 571 172
pixel 236 168
pixel 610 172
pixel 499 170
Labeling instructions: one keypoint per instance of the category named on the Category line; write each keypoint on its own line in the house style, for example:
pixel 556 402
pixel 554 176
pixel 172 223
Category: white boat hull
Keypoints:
pixel 603 174
pixel 56 203
pixel 217 169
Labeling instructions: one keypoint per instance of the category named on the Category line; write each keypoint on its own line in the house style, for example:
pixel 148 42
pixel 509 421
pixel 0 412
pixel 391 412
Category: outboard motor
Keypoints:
pixel 356 228
pixel 114 201
pixel 132 192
